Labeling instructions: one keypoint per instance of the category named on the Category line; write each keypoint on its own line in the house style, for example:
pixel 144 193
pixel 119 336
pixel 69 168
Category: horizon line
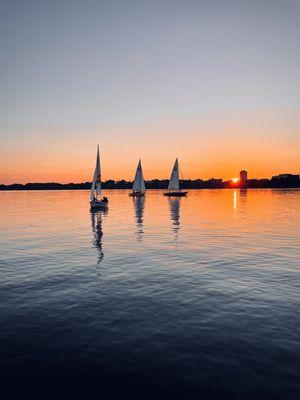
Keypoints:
pixel 146 180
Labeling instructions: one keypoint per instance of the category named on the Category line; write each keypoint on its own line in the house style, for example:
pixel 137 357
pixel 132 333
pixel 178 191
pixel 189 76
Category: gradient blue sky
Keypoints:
pixel 215 82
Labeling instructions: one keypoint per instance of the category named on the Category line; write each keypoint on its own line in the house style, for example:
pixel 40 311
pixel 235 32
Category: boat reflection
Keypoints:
pixel 96 219
pixel 174 204
pixel 139 205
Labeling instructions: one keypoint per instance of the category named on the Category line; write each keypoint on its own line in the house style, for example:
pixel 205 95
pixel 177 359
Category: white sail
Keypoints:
pixel 139 183
pixel 174 180
pixel 96 185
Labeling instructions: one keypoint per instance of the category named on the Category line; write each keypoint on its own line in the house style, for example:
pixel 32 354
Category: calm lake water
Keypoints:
pixel 155 298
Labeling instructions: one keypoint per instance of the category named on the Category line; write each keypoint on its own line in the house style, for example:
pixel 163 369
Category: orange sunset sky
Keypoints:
pixel 208 150
pixel 214 83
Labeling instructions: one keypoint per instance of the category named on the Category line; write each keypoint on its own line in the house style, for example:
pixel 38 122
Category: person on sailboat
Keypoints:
pixel 104 199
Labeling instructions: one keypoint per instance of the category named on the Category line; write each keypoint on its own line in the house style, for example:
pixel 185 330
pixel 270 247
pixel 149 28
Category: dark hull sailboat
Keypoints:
pixel 137 194
pixel 96 204
pixel 175 194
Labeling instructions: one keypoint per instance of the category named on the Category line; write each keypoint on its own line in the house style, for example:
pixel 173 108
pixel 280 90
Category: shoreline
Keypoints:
pixel 189 189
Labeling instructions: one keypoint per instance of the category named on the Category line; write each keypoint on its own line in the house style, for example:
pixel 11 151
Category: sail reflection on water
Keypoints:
pixel 139 205
pixel 96 219
pixel 174 204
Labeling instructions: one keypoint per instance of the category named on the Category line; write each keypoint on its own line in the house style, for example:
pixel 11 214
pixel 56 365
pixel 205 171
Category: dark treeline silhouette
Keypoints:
pixel 284 181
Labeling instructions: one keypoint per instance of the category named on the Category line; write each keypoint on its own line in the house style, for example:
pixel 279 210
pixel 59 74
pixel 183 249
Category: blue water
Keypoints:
pixel 157 298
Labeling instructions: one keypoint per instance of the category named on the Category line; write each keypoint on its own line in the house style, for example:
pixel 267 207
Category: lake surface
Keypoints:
pixel 156 298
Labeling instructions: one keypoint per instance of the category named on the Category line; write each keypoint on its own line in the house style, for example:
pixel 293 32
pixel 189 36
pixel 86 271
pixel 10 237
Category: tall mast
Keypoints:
pixel 96 184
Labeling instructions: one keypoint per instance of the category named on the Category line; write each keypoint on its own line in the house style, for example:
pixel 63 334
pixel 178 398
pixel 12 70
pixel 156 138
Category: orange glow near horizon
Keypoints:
pixel 204 151
pixel 82 171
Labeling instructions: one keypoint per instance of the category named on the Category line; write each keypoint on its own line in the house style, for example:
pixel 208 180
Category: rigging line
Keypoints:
pixel 140 177
pixel 181 173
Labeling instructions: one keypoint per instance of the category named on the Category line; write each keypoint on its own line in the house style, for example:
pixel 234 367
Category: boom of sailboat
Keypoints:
pixel 138 188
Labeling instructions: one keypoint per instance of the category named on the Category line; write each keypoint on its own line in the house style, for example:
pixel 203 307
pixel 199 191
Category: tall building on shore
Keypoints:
pixel 243 178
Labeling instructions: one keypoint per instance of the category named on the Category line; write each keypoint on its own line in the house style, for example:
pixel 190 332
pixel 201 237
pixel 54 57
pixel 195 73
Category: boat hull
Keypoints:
pixel 175 194
pixel 96 204
pixel 137 194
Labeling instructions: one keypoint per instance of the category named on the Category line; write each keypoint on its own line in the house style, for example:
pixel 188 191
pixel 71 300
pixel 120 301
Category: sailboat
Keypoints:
pixel 138 188
pixel 95 200
pixel 174 186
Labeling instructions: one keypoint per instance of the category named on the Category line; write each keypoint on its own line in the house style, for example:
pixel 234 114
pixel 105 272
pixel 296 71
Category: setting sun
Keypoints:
pixel 235 180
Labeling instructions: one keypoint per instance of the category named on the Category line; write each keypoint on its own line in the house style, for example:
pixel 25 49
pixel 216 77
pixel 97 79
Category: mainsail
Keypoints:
pixel 139 183
pixel 96 185
pixel 174 180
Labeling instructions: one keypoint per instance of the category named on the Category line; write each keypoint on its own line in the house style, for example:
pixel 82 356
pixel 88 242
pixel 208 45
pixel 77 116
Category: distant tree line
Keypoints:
pixel 291 181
